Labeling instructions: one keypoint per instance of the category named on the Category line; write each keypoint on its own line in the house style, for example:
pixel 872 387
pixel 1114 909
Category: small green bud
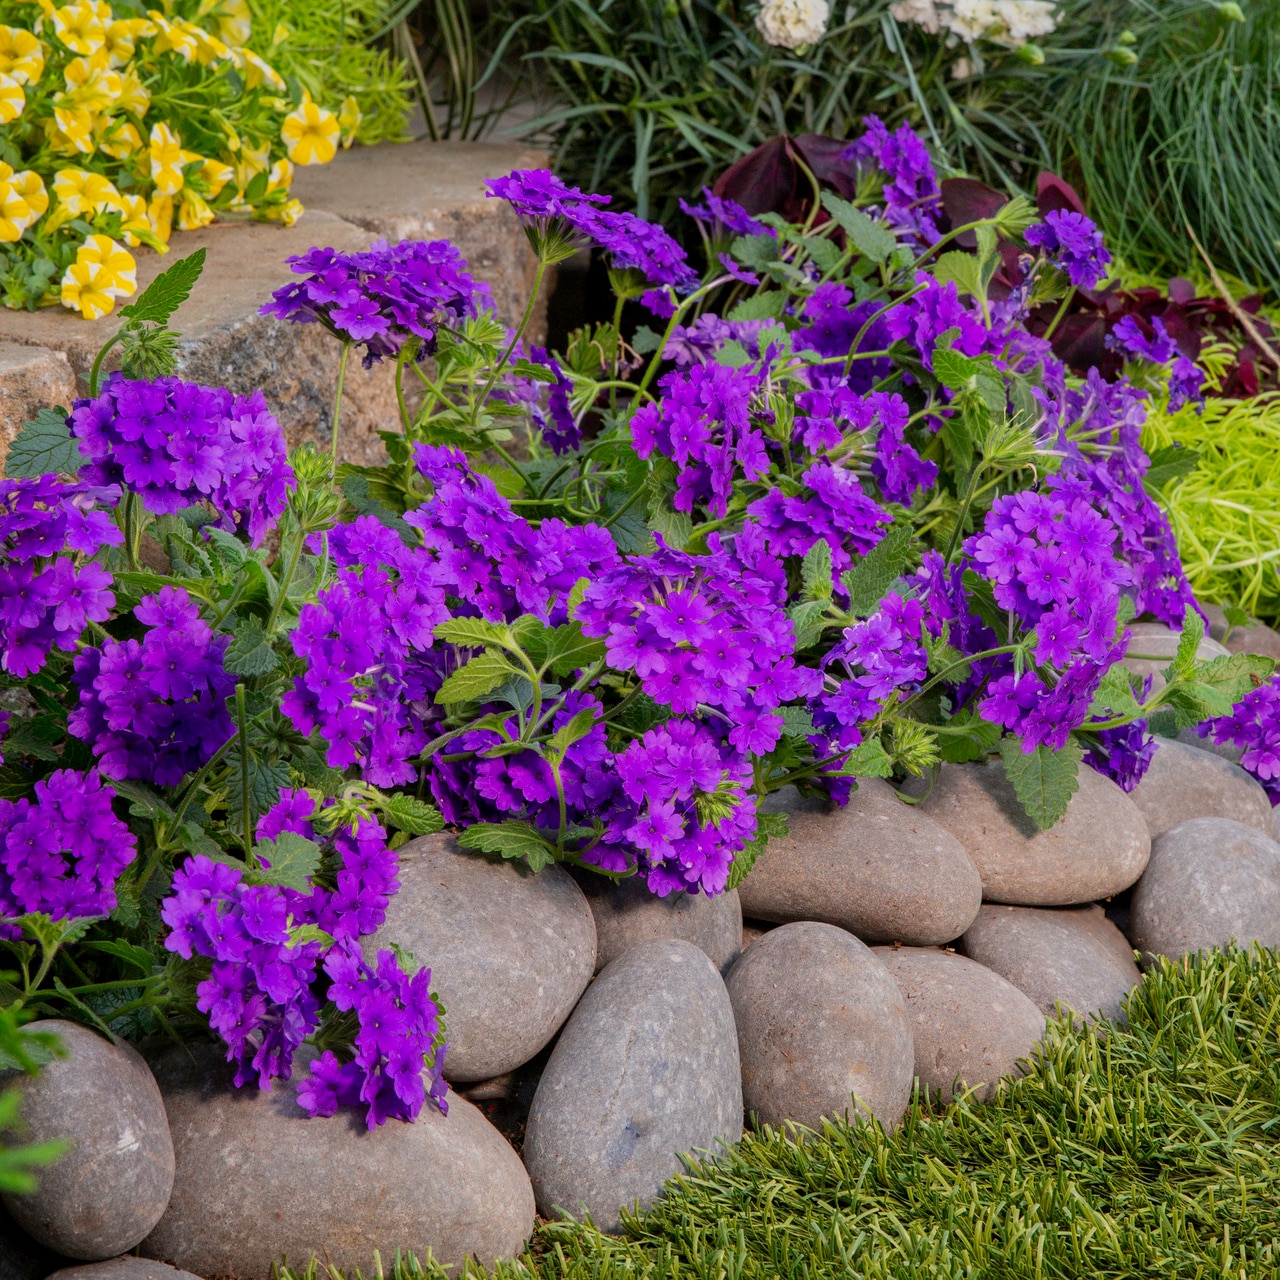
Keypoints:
pixel 1127 37
pixel 1121 56
pixel 1231 11
pixel 1032 55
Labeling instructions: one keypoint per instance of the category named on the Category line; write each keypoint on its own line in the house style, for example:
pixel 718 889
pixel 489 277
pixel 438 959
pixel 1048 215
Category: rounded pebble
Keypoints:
pixel 1152 646
pixel 1185 782
pixel 123 1269
pixel 1255 637
pixel 820 1024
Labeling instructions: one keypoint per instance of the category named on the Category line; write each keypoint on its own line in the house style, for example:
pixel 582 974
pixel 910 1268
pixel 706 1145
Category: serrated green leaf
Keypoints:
pixel 644 341
pixel 1115 696
pixel 573 731
pixel 733 355
pixel 44 445
pixel 770 305
pixel 1184 659
pixel 966 737
pixel 569 650
pixel 797 722
pixel 266 780
pixel 301 934
pixel 1192 702
pixel 411 815
pixel 139 957
pixel 512 840
pixel 1235 674
pixel 825 253
pixel 140 794
pixel 293 860
pixel 1044 780
pixel 675 527
pixel 815 571
pixel 954 369
pixel 964 270
pixel 809 621
pixel 484 673
pixel 869 580
pixel 195 841
pixel 1169 464
pixel 250 652
pixel 769 826
pixel 869 760
pixel 577 595
pixel 755 251
pixel 865 234
pixel 1235 616
pixel 473 633
pixel 167 292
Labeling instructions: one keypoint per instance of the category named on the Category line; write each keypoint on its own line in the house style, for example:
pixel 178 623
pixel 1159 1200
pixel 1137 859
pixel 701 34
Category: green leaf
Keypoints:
pixel 473 633
pixel 168 291
pixel 250 653
pixel 644 341
pixel 769 826
pixel 266 780
pixel 1235 674
pixel 195 841
pixel 870 760
pixel 1184 660
pixel 870 579
pixel 304 933
pixel 294 860
pixel 733 355
pixel 51 933
pixel 481 675
pixel 573 731
pixel 824 252
pixel 760 306
pixel 865 234
pixel 797 722
pixel 1044 780
pixel 139 957
pixel 966 737
pixel 957 434
pixel 1192 702
pixel 675 527
pixel 44 445
pixel 965 271
pixel 577 595
pixel 815 571
pixel 1115 696
pixel 569 650
pixel 755 251
pixel 140 796
pixel 809 619
pixel 1235 616
pixel 1168 464
pixel 512 840
pixel 411 815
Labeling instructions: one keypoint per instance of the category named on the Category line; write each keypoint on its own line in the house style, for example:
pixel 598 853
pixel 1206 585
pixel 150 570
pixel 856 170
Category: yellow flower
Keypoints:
pixel 91 83
pixel 71 131
pixel 30 186
pixel 310 134
pixel 15 213
pixel 118 138
pixel 160 214
pixel 82 26
pixel 166 160
pixel 287 213
pixel 134 218
pixel 280 178
pixel 122 38
pixel 256 70
pixel 134 97
pixel 174 36
pixel 216 175
pixel 13 100
pixel 209 49
pixel 349 118
pixel 80 191
pixel 121 272
pixel 233 16
pixel 21 55
pixel 280 34
pixel 193 211
pixel 85 288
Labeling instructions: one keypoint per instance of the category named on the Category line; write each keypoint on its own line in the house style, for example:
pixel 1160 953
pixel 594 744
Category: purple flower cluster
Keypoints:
pixel 557 424
pixel 923 318
pixel 1123 754
pixel 551 208
pixel 912 197
pixel 370 677
pixel 1186 380
pixel 703 424
pixel 1254 726
pixel 62 854
pixel 1074 244
pixel 1051 559
pixel 176 444
pixel 698 342
pixel 155 708
pixel 724 217
pixel 48 593
pixel 382 296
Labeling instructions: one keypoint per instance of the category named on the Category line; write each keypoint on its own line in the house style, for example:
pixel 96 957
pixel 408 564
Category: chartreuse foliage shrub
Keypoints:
pixel 836 514
pixel 1146 1152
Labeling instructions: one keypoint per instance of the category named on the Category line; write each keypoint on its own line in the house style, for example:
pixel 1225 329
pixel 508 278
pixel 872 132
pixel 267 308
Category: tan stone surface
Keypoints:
pixel 30 379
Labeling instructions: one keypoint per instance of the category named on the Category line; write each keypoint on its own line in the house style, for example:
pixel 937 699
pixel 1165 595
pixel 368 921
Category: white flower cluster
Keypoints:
pixel 791 24
pixel 1008 22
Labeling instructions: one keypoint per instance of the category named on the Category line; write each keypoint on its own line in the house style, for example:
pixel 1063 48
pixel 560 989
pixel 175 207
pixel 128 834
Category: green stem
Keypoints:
pixel 622 510
pixel 955 666
pixel 1062 311
pixel 405 421
pixel 337 413
pixel 194 785
pixel 95 371
pixel 295 554
pixel 130 547
pixel 496 372
pixel 243 720
pixel 962 515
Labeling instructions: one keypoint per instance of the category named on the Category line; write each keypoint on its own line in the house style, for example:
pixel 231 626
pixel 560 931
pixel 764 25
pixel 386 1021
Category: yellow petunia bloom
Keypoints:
pixel 216 175
pixel 91 82
pixel 15 213
pixel 134 97
pixel 86 289
pixel 166 160
pixel 71 131
pixel 118 138
pixel 82 26
pixel 30 186
pixel 256 70
pixel 280 178
pixel 287 213
pixel 133 218
pixel 174 36
pixel 21 55
pixel 193 211
pixel 121 272
pixel 160 214
pixel 122 38
pixel 235 21
pixel 13 99
pixel 349 118
pixel 80 191
pixel 310 134
pixel 209 49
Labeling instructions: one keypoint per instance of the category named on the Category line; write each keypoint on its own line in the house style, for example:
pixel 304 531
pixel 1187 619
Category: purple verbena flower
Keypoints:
pixel 1074 244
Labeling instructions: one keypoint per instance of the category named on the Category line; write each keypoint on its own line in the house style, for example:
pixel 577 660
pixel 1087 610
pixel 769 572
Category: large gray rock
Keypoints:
pixel 968 1023
pixel 1255 637
pixel 509 952
pixel 627 913
pixel 822 1028
pixel 1210 881
pixel 31 379
pixel 1227 750
pixel 646 1069
pixel 21 1258
pixel 1185 782
pixel 1056 957
pixel 259 1180
pixel 104 1195
pixel 1152 646
pixel 123 1269
pixel 878 867
pixel 1097 849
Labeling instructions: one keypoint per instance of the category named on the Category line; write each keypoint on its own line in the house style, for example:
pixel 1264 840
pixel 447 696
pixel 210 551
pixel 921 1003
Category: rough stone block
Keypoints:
pixel 30 379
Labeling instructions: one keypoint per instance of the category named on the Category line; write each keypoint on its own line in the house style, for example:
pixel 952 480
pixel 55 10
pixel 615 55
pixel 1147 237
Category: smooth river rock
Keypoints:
pixel 123 1269
pixel 645 1070
pixel 1185 782
pixel 1210 881
pixel 1227 750
pixel 1152 646
pixel 1098 848
pixel 968 1023
pixel 878 867
pixel 822 1027
pixel 258 1180
pixel 627 913
pixel 110 1189
pixel 510 952
pixel 21 1258
pixel 1069 956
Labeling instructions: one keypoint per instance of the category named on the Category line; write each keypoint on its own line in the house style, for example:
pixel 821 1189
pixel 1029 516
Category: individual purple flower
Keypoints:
pixel 912 197
pixel 697 343
pixel 155 708
pixel 62 853
pixel 382 296
pixel 724 217
pixel 1254 727
pixel 49 588
pixel 923 318
pixel 1123 754
pixel 1186 378
pixel 176 444
pixel 1074 244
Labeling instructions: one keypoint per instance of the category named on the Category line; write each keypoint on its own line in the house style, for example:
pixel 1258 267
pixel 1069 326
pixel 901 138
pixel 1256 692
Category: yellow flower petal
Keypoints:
pixel 118 138
pixel 120 277
pixel 160 213
pixel 166 160
pixel 30 186
pixel 71 130
pixel 287 213
pixel 80 26
pixel 91 82
pixel 84 289
pixel 22 55
pixel 280 178
pixel 193 211
pixel 216 174
pixel 134 97
pixel 310 134
pixel 80 191
pixel 349 118
pixel 15 213
pixel 256 70
pixel 13 99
